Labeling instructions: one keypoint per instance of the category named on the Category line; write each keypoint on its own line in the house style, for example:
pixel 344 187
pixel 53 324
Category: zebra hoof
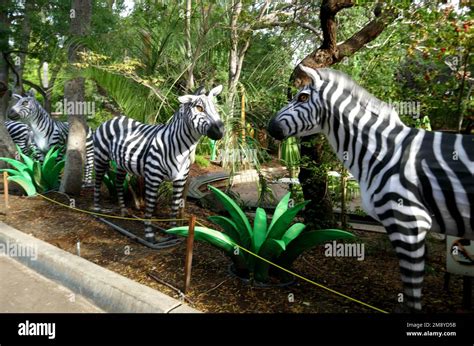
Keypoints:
pixel 96 209
pixel 150 237
pixel 124 212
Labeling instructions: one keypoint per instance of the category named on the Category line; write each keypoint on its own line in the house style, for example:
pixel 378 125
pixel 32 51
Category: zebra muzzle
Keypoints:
pixel 216 130
pixel 275 130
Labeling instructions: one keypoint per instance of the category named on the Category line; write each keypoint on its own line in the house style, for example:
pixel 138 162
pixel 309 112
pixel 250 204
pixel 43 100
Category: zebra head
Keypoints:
pixel 201 113
pixel 23 109
pixel 301 117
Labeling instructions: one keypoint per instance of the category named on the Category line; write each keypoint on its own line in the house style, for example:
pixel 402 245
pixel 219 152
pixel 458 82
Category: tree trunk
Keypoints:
pixel 189 47
pixel 234 51
pixel 74 91
pixel 461 91
pixel 237 51
pixel 319 212
pixel 7 148
pixel 25 40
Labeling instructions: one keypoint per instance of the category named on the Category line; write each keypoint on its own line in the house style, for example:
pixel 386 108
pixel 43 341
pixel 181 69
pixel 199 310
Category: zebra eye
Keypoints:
pixel 25 103
pixel 199 109
pixel 303 98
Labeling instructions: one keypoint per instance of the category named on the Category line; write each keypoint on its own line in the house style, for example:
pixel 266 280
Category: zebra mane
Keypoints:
pixel 366 99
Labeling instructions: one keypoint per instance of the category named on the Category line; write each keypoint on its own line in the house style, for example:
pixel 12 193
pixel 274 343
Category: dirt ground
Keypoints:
pixel 375 280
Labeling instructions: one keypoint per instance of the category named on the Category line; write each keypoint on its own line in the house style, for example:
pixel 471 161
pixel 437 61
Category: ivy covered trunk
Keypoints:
pixel 313 174
pixel 318 214
pixel 7 148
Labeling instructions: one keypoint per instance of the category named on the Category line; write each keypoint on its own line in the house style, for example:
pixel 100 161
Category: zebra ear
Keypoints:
pixel 200 91
pixel 16 97
pixel 187 98
pixel 215 91
pixel 30 93
pixel 317 81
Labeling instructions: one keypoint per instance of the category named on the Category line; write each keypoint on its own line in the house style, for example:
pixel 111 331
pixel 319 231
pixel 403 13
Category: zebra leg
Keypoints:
pixel 101 167
pixel 39 155
pixel 89 166
pixel 151 194
pixel 409 244
pixel 177 201
pixel 119 179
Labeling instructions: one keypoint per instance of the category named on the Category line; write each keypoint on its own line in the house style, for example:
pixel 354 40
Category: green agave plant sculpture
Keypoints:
pixel 280 241
pixel 34 176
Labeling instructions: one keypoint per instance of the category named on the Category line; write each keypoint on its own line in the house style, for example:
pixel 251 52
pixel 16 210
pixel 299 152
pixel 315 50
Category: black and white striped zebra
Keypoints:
pixel 156 152
pixel 47 132
pixel 411 180
pixel 20 134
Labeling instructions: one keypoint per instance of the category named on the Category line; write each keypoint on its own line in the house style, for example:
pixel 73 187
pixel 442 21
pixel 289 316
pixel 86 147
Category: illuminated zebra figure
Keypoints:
pixel 47 132
pixel 20 134
pixel 156 152
pixel 411 180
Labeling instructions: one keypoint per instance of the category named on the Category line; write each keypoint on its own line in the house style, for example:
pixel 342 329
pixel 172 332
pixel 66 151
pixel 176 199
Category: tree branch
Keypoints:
pixel 365 35
pixel 329 9
pixel 330 52
pixel 36 87
pixel 290 23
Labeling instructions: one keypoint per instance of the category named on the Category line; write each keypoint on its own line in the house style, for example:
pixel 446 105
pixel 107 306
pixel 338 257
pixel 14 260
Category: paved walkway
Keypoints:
pixel 24 290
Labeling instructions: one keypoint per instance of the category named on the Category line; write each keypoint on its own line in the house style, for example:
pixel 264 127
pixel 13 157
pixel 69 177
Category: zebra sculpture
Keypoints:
pixel 20 134
pixel 155 152
pixel 411 180
pixel 47 132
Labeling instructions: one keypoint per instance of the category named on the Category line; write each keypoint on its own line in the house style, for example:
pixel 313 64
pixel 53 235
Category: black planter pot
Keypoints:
pixel 244 276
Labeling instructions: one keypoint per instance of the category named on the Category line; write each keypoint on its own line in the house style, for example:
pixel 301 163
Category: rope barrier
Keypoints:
pixel 106 215
pixel 306 279
pixel 240 247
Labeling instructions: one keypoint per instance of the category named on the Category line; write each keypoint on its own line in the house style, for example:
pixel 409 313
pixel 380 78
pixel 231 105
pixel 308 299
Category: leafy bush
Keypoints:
pixel 134 188
pixel 201 161
pixel 34 176
pixel 110 180
pixel 279 242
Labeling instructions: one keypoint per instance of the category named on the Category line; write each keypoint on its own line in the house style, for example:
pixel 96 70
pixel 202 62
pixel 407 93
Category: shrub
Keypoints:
pixel 35 176
pixel 202 161
pixel 281 241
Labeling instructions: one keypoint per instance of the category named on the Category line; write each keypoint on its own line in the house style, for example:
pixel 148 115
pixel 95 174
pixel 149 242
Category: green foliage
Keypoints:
pixel 281 241
pixel 110 180
pixel 204 147
pixel 335 189
pixel 290 155
pixel 201 161
pixel 135 100
pixel 34 176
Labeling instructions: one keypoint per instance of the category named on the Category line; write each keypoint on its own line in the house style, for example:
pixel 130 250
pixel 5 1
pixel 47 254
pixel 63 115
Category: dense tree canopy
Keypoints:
pixel 140 55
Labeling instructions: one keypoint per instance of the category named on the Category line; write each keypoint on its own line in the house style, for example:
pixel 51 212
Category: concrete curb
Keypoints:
pixel 108 290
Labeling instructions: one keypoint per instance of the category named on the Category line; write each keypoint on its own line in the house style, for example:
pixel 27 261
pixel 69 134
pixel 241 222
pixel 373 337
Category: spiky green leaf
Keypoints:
pixel 228 225
pixel 40 184
pixel 280 209
pixel 238 216
pixel 27 160
pixel 20 166
pixel 281 225
pixel 259 229
pixel 11 171
pixel 215 238
pixel 307 241
pixel 270 250
pixel 26 183
pixel 293 232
